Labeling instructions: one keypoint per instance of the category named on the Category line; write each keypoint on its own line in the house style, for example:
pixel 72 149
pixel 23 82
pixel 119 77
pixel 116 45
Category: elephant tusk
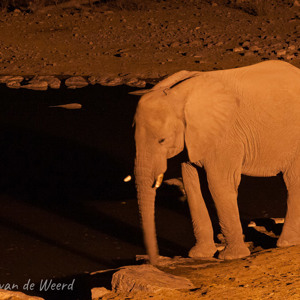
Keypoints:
pixel 159 180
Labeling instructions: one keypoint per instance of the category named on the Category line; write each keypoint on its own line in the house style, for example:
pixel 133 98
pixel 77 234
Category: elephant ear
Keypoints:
pixel 139 92
pixel 209 111
pixel 168 82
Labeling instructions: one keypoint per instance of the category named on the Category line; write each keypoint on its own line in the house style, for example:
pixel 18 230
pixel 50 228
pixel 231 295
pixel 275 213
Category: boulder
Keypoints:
pixel 14 82
pixel 36 85
pixel 99 292
pixel 76 82
pixel 4 79
pixel 53 82
pixel 147 278
pixel 11 295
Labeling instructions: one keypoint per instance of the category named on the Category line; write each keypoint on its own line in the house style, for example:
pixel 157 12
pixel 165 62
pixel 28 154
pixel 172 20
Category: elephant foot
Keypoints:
pixel 203 250
pixel 234 252
pixel 286 242
pixel 290 236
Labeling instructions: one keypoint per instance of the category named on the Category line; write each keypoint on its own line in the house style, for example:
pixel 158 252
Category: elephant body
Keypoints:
pixel 232 122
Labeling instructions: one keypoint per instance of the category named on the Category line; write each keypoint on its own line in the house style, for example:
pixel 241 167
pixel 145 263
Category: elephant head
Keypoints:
pixel 159 135
pixel 161 132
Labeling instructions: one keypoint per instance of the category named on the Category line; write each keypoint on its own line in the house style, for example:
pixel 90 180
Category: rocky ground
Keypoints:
pixel 156 40
pixel 103 41
pixel 270 274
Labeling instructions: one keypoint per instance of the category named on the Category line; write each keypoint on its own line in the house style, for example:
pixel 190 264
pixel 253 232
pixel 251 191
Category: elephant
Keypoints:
pixel 231 122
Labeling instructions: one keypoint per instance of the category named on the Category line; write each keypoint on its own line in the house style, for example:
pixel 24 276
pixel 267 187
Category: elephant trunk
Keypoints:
pixel 146 200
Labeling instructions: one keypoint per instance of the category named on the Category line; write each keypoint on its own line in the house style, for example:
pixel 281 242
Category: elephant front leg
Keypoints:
pixel 205 246
pixel 223 186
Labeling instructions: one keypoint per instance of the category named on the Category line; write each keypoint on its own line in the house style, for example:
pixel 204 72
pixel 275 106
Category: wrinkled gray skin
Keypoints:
pixel 233 122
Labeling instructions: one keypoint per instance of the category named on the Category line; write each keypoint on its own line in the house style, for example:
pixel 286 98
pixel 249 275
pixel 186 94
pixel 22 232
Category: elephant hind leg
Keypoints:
pixel 291 229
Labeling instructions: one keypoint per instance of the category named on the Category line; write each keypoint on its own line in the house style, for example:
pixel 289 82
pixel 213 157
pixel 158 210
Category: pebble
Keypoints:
pixel 135 82
pixel 254 48
pixel 111 81
pixel 175 45
pixel 292 47
pixel 249 53
pixel 291 56
pixel 238 49
pixel 281 53
pixel 246 44
pixel 17 12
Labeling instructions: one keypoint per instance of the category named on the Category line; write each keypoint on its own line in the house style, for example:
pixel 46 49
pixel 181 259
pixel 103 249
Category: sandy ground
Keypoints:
pixel 150 43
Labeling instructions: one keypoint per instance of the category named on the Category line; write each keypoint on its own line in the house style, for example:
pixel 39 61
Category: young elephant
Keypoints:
pixel 233 122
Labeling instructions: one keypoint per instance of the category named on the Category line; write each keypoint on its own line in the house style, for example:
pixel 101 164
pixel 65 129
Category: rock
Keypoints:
pixel 238 49
pixel 290 57
pixel 254 48
pixel 147 278
pixel 246 44
pixel 53 82
pixel 111 81
pixel 106 81
pixel 292 48
pixel 4 79
pixel 36 85
pixel 17 12
pixel 281 52
pixel 13 84
pixel 249 53
pixel 135 82
pixel 76 82
pixel 10 295
pixel 16 78
pixel 93 79
pixel 196 43
pixel 99 292
pixel 175 45
pixel 297 3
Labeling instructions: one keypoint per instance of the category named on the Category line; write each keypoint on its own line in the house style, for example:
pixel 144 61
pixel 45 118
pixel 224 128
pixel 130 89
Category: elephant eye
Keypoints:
pixel 161 141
